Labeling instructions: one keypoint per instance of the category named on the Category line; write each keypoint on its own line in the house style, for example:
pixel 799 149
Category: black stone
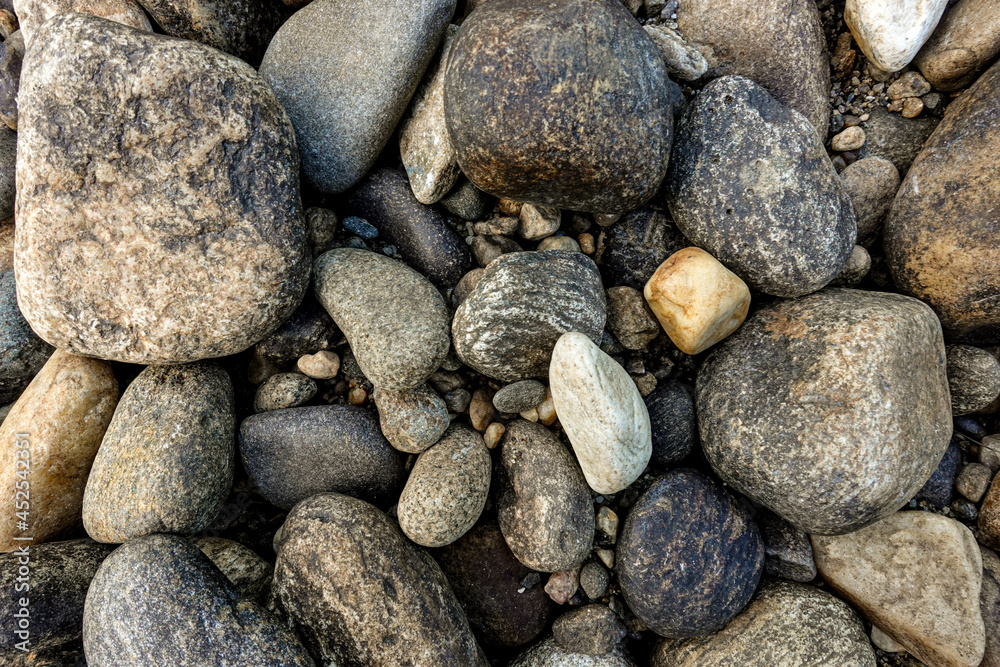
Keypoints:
pixel 672 422
pixel 630 251
pixel 309 330
pixel 22 352
pixel 939 489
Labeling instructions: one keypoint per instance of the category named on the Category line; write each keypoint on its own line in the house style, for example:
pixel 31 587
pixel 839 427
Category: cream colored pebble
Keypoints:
pixel 324 365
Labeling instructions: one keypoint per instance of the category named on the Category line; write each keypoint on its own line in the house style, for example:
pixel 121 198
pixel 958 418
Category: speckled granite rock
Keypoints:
pixel 973 378
pixel 897 139
pixel 248 572
pixel 152 600
pixel 345 72
pixel 166 462
pixel 22 352
pixel 208 194
pixel 890 32
pixel 630 251
pixel 592 629
pixel 834 367
pixel 785 624
pixel 672 421
pixel 587 127
pixel 548 654
pixel 788 552
pixel 751 183
pixel 966 40
pixel 8 168
pixel 519 396
pixel 64 412
pixel 284 390
pixel 411 420
pixel 542 499
pixel 385 602
pixel 31 14
pixel 296 453
pixel 508 325
pixel 689 557
pixel 871 185
pixel 988 524
pixel 953 182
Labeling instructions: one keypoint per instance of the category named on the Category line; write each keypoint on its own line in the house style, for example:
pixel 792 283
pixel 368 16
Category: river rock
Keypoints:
pixel 683 60
pixel 248 572
pixel 10 81
pixel 208 195
pixel 787 551
pixel 587 127
pixel 284 390
pixel 952 187
pixel 22 352
pixel 345 73
pixel 917 576
pixel 31 14
pixel 385 601
pixel 411 420
pixel 630 251
pixel 751 183
pixel 547 653
pixel 630 318
pixel 593 630
pixel 871 185
pixel 309 330
pixel 988 525
pixel 395 319
pixel 896 138
pixel 810 361
pixel 973 378
pixel 689 556
pixel 508 325
pixel 938 491
pixel 136 615
pixel 966 40
pixel 890 32
pixel 296 453
pixel 519 396
pixel 672 423
pixel 602 413
pixel 542 499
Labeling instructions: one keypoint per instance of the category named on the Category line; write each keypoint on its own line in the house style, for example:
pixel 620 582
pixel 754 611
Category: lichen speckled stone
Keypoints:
pixel 411 420
pixel 384 601
pixel 809 408
pixel 509 323
pixel 890 32
pixel 785 624
pixel 248 572
pixel 31 14
pixel 940 236
pixel 166 462
pixel 966 40
pixel 169 155
pixel 284 390
pixel 22 352
pixel 689 556
pixel 345 72
pixel 152 600
pixel 63 414
pixel 548 654
pixel 395 319
pixel 587 126
pixel 751 183
pixel 973 378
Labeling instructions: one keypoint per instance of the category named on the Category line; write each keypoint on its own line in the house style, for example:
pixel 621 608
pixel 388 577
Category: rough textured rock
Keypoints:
pixel 988 525
pixel 345 73
pixel 890 32
pixel 989 598
pixel 587 127
pixel 548 654
pixel 785 624
pixel 973 378
pixel 871 185
pixel 895 138
pixel 787 551
pixel 917 576
pixel 602 413
pixel 248 572
pixel 309 330
pixel 672 422
pixel 284 390
pixel 593 630
pixel 751 183
pixel 785 31
pixel 8 168
pixel 507 326
pixel 631 250
pixel 954 187
pixel 166 462
pixel 689 556
pixel 296 453
pixel 393 317
pixel 542 499
pixel 384 601
pixel 966 40
pixel 135 615
pixel 519 396
pixel 31 14
pixel 683 60
pixel 64 412
pixel 22 352
pixel 973 480
pixel 835 367
pixel 201 184
pixel 411 420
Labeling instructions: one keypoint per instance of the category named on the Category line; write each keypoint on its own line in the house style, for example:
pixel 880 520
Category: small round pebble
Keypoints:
pixel 284 390
pixel 850 139
pixel 322 365
pixel 594 580
pixel 559 243
pixel 411 420
pixel 519 396
pixel 592 630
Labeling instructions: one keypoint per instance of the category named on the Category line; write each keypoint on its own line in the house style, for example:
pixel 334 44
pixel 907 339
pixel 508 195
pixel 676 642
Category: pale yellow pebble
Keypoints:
pixel 531 415
pixel 607 557
pixel 546 410
pixel 493 434
pixel 324 365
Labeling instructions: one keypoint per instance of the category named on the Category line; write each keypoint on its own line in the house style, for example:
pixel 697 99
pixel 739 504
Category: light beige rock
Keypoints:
pixel 64 413
pixel 917 576
pixel 890 32
pixel 538 222
pixel 885 642
pixel 697 300
pixel 850 139
pixel 966 40
pixel 559 243
pixel 33 13
pixel 323 365
pixel 682 60
pixel 601 412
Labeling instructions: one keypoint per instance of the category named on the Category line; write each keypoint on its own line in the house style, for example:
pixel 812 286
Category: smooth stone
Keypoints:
pixel 411 420
pixel 683 60
pixel 8 168
pixel 871 185
pixel 587 127
pixel 489 583
pixel 890 32
pixel 787 551
pixel 467 202
pixel 394 318
pixel 64 412
pixel 10 81
pixel 447 488
pixel 630 251
pixel 323 365
pixel 345 73
pixel 785 624
pixel 208 195
pixel 487 247
pixel 966 41
pixel 917 576
pixel 777 400
pixel 857 267
pixel 167 460
pixel 508 325
pixel 559 243
pixel 543 503
pixel 896 138
pixel 989 598
pixel 538 222
pixel 940 236
pixel 248 572
pixel 31 14
pixel 22 352
pixel 776 31
pixel 548 654
pixel 421 235
pixel 689 556
pixel 849 139
pixel 284 390
pixel 751 184
pixel 592 630
pixel 519 396
pixel 152 600
pixel 594 580
pixel 973 378
pixel 630 318
pixel 309 329
pixel 973 481
pixel 672 423
pixel 296 453
pixel 601 412
pixel 385 602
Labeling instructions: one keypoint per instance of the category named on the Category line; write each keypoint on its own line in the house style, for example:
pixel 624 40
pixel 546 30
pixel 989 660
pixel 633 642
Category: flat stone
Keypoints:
pixel 593 630
pixel 751 183
pixel 248 572
pixel 345 73
pixel 22 352
pixel 672 421
pixel 966 41
pixel 395 319
pixel 871 185
pixel 601 412
pixel 207 194
pixel 519 396
pixel 973 378
pixel 917 576
pixel 411 420
pixel 284 390
pixel 548 654
pixel 890 32
pixel 31 14
pixel 810 361
pixel 587 127
pixel 896 138
pixel 385 601
pixel 683 60
pixel 787 551
pixel 630 251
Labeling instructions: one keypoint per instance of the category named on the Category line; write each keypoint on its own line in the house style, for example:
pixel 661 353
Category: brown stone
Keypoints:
pixel 965 41
pixel 989 599
pixel 630 318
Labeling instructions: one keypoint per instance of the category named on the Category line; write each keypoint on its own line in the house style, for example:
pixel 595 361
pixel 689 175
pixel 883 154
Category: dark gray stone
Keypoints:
pixel 938 491
pixel 592 630
pixel 672 422
pixel 519 396
pixel 788 552
pixel 248 572
pixel 897 139
pixel 284 390
pixel 973 378
pixel 22 352
pixel 10 80
pixel 8 165
pixel 467 202
pixel 871 185
pixel 630 251
pixel 309 330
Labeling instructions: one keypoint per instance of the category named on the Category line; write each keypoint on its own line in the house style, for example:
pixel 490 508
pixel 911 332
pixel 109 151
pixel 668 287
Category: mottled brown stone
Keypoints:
pixel 965 41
